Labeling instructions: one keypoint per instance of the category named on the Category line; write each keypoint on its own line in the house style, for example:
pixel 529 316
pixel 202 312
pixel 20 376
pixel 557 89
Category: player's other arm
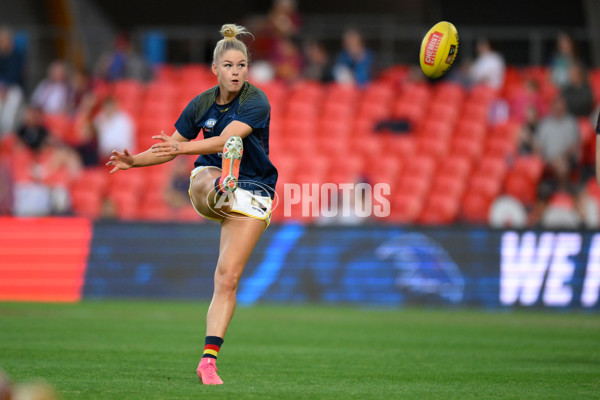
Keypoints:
pixel 166 148
pixel 125 160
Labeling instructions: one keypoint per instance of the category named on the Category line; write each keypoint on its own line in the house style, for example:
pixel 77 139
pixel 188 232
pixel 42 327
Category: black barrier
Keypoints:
pixel 366 265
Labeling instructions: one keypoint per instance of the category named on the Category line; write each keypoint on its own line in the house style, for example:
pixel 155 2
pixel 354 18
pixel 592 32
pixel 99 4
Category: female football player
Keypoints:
pixel 226 187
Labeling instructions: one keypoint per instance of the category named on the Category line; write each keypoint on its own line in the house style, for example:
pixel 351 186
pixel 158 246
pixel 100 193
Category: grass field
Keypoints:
pixel 149 350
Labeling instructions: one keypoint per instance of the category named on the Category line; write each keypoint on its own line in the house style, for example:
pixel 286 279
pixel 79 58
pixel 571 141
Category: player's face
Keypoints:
pixel 231 70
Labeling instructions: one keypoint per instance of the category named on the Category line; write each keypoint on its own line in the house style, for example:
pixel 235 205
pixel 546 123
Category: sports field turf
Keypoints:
pixel 149 350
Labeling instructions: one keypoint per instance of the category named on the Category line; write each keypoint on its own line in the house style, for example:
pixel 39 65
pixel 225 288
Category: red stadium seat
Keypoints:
pixel 127 89
pixel 450 186
pixel 588 139
pixel 410 111
pixel 307 91
pixel 488 186
pixel 498 147
pixel 405 208
pixel 444 111
pixel 470 129
pixel 494 167
pixel 302 109
pixel 521 187
pixel 304 127
pixel 368 145
pixel 531 167
pixel 450 93
pixel 420 166
pixel 375 111
pixel 475 208
pixel 59 125
pixel 467 148
pixel 378 92
pixel 475 111
pixel 339 128
pixel 126 203
pixel 383 169
pixel 458 166
pixel 435 129
pixel 418 93
pixel 160 91
pixel 439 210
pixel 418 186
pixel 429 146
pixel 337 111
pixel 482 94
pixel 86 202
pixel 398 145
pixel 167 73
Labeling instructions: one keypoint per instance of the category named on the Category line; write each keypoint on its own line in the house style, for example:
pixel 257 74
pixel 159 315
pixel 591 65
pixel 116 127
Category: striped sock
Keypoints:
pixel 219 188
pixel 212 345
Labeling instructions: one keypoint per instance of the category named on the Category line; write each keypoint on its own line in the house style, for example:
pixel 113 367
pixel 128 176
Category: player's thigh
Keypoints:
pixel 202 191
pixel 239 236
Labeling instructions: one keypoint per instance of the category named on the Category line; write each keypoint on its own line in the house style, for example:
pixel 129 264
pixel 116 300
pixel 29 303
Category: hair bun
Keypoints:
pixel 231 31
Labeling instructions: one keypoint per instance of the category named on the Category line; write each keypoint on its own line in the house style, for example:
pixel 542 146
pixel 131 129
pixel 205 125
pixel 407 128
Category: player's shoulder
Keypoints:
pixel 252 93
pixel 204 101
pixel 208 96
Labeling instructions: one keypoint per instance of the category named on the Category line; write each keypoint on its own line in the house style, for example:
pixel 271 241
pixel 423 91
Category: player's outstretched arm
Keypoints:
pixel 167 147
pixel 125 160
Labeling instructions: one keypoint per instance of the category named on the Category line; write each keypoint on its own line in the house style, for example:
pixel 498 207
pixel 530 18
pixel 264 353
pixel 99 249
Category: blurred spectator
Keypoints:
pixel 489 66
pixel 12 62
pixel 32 132
pixel 281 22
pixel 123 62
pixel 115 129
pixel 54 92
pixel 284 18
pixel 318 65
pixel 86 143
pixel 577 92
pixel 82 85
pixel 108 209
pixel 55 155
pixel 53 164
pixel 557 141
pixel 356 61
pixel 526 99
pixel 563 59
pixel 11 104
pixel 176 194
pixel 286 60
pixel 527 130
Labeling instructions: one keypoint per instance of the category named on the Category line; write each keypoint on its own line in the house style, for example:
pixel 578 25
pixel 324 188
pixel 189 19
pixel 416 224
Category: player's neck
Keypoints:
pixel 225 97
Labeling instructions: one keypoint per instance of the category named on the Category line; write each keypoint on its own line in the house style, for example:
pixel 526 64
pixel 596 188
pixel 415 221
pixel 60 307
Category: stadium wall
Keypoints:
pixel 69 259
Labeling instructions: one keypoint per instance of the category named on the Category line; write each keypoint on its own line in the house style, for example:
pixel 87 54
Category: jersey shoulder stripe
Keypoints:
pixel 251 93
pixel 204 101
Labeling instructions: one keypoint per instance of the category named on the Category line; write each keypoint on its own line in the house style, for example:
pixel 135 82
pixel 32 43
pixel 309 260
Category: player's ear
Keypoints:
pixel 214 68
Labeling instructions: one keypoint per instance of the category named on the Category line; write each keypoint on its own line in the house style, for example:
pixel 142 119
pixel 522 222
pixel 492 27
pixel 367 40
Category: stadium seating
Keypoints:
pixel 448 166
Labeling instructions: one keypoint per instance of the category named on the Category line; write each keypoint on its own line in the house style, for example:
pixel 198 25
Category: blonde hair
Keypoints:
pixel 230 41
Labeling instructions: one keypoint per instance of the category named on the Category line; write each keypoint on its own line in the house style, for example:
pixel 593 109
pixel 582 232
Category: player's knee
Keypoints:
pixel 227 278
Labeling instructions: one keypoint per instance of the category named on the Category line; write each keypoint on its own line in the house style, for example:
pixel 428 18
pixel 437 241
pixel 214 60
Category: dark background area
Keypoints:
pixel 564 13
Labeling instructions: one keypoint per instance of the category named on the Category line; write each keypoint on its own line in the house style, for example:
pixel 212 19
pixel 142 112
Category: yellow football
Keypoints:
pixel 439 49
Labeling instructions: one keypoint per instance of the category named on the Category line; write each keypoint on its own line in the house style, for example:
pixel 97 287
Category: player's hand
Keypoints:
pixel 167 146
pixel 120 160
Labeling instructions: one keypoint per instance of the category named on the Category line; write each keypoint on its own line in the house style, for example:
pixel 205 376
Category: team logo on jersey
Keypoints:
pixel 209 124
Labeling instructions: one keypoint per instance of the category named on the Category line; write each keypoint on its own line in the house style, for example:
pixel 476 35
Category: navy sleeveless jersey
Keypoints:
pixel 251 107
